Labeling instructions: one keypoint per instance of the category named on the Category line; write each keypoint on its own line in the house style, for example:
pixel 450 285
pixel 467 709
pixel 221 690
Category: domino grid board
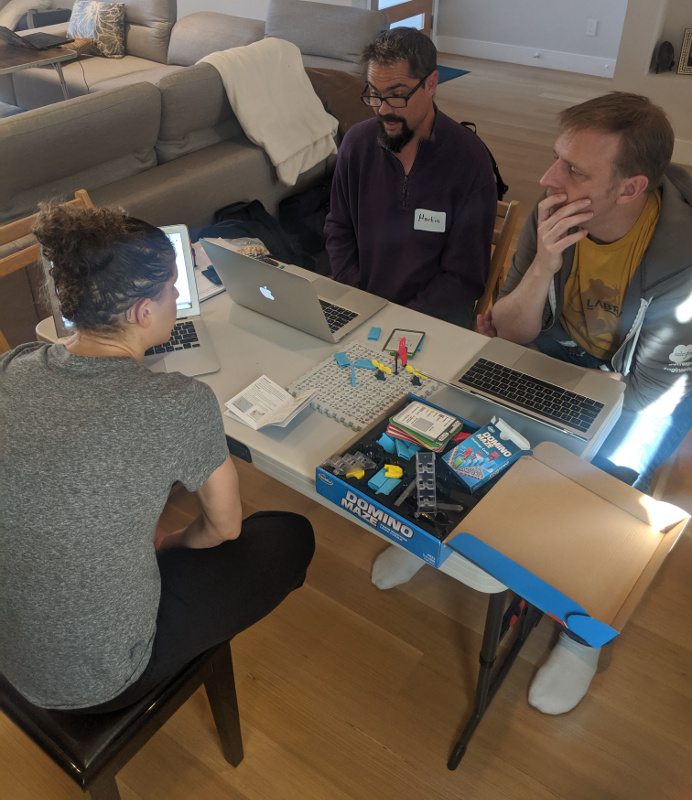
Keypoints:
pixel 357 406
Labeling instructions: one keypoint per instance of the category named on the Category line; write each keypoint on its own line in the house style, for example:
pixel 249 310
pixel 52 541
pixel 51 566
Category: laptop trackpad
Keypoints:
pixel 331 290
pixel 549 369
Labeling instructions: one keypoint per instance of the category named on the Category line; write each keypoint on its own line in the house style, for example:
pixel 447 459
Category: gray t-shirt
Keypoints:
pixel 89 449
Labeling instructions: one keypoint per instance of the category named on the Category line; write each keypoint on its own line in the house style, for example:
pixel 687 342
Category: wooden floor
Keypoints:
pixel 350 693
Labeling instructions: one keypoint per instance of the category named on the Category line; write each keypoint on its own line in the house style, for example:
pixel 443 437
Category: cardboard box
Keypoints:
pixel 575 542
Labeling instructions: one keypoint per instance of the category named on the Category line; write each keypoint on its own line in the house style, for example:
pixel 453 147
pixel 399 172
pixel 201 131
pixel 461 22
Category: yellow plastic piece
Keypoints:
pixel 356 473
pixel 381 367
pixel 392 471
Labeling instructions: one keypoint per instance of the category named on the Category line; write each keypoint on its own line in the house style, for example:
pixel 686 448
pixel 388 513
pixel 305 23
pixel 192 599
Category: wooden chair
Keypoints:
pixel 92 748
pixel 26 254
pixel 505 223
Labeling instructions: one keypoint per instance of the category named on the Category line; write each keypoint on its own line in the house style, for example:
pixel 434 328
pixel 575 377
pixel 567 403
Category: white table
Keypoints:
pixel 249 345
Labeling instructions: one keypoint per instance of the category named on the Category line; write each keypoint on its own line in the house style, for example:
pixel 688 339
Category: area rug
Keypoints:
pixel 447 73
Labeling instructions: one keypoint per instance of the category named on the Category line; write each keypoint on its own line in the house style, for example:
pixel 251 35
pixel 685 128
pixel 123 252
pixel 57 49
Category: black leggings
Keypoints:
pixel 209 595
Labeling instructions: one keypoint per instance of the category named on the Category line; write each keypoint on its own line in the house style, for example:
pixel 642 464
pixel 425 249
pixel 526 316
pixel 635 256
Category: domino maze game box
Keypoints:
pixel 404 476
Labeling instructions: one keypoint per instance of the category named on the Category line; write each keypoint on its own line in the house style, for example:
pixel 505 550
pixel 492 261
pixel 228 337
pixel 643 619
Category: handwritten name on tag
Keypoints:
pixel 426 220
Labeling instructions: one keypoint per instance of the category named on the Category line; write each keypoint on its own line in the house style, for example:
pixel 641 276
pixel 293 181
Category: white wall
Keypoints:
pixel 545 33
pixel 647 23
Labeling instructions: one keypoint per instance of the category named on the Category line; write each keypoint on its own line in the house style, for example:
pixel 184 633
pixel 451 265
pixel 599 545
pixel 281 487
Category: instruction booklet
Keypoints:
pixel 264 402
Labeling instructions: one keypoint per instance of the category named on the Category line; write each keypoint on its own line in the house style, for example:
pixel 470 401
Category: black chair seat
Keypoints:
pixel 88 746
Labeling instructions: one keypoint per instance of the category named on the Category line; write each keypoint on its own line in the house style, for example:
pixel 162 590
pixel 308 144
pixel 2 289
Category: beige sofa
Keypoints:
pixel 162 142
pixel 157 45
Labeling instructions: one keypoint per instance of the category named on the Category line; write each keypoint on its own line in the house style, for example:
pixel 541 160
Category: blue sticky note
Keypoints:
pixel 374 334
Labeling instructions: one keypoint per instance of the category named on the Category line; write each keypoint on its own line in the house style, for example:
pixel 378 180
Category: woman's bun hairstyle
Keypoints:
pixel 102 262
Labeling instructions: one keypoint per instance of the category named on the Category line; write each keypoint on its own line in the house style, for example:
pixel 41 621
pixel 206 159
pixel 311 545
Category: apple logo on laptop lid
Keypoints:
pixel 266 291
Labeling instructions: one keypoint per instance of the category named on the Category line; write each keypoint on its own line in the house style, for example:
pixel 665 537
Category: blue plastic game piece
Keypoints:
pixel 342 359
pixel 374 334
pixel 381 484
pixel 406 450
pixel 363 363
pixel 353 374
pixel 387 443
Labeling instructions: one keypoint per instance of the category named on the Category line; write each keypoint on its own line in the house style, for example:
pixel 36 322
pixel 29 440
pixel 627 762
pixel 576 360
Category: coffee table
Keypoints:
pixel 13 59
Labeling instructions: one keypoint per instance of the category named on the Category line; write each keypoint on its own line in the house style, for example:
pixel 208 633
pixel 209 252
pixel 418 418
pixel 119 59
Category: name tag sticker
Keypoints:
pixel 426 220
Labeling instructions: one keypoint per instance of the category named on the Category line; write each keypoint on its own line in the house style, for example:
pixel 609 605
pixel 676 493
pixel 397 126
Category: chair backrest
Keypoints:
pixel 27 253
pixel 505 223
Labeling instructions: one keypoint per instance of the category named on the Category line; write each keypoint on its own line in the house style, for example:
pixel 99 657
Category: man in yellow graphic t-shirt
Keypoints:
pixel 602 277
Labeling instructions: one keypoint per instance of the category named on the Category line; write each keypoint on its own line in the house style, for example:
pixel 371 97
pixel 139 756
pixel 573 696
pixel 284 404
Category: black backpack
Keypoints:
pixel 502 187
pixel 302 217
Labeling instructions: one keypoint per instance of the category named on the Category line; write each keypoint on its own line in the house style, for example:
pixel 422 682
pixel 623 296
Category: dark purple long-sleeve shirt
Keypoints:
pixel 372 238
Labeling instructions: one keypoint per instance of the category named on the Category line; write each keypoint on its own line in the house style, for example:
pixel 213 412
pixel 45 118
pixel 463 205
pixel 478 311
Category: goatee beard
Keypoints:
pixel 395 144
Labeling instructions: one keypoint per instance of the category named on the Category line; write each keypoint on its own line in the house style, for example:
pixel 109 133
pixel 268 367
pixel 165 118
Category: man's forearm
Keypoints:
pixel 518 316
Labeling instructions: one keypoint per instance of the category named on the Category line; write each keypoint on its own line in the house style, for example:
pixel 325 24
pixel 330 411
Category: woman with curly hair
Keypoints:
pixel 98 605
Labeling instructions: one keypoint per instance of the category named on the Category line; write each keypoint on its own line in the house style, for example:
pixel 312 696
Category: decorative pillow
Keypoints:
pixel 340 95
pixel 104 22
pixel 79 46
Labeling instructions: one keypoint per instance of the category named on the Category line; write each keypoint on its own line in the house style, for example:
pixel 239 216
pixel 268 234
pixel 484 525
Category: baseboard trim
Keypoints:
pixel 534 57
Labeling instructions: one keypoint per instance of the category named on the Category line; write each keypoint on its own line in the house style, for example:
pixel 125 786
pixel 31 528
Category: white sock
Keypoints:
pixel 564 679
pixel 394 566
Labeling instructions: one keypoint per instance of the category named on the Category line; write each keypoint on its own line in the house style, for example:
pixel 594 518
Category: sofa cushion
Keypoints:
pixel 321 29
pixel 192 188
pixel 102 21
pixel 39 87
pixel 77 144
pixel 320 62
pixel 195 112
pixel 148 28
pixel 197 35
pixel 150 74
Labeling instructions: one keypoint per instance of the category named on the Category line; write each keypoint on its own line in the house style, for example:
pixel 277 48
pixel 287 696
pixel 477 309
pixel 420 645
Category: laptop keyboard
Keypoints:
pixel 183 337
pixel 532 394
pixel 336 316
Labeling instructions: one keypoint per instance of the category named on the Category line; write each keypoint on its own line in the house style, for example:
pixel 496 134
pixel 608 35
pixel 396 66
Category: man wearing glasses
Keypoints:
pixel 414 197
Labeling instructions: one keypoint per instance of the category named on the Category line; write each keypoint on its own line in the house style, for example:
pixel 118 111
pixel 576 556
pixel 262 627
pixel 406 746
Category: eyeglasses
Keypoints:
pixel 393 101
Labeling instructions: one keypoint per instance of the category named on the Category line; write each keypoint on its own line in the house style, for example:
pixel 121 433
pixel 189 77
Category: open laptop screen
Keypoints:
pixel 188 301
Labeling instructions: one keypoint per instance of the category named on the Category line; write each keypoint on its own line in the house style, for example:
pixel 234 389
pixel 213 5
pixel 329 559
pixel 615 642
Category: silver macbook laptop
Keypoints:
pixel 574 400
pixel 189 350
pixel 319 306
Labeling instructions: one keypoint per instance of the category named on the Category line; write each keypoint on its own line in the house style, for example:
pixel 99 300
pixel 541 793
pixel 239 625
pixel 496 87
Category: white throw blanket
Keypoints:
pixel 272 96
